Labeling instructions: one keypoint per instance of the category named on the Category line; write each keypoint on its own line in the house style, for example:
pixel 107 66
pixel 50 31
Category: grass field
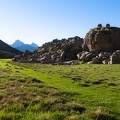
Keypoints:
pixel 59 92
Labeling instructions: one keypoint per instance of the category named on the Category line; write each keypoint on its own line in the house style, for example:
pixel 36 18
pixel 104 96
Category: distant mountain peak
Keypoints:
pixel 18 40
pixel 17 43
pixel 22 47
pixel 34 45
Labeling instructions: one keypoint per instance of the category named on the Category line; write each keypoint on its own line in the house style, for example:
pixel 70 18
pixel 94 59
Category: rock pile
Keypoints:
pixel 96 57
pixel 55 51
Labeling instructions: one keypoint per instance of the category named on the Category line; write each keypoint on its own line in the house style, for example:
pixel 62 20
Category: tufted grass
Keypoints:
pixel 59 92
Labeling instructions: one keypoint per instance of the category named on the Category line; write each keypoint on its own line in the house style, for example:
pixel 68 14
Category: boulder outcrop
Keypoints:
pixel 102 39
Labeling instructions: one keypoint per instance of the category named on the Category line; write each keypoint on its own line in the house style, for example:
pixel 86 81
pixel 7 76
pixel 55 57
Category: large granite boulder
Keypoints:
pixel 102 39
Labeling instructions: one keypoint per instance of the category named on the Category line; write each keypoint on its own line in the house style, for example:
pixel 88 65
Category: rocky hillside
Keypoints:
pixel 55 51
pixel 6 51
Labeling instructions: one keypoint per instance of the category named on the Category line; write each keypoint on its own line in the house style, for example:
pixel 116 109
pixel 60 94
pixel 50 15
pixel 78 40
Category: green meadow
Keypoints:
pixel 32 91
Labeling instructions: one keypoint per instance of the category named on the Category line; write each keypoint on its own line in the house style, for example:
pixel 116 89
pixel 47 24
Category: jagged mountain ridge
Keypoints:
pixel 19 45
pixel 26 47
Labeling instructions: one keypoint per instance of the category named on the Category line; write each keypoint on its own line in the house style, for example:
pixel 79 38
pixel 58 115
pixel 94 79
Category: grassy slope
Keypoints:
pixel 96 87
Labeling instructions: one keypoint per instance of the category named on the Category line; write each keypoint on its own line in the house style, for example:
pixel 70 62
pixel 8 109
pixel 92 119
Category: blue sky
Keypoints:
pixel 42 21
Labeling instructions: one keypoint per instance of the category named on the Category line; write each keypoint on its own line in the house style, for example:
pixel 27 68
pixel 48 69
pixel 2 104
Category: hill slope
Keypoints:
pixel 7 51
pixel 6 54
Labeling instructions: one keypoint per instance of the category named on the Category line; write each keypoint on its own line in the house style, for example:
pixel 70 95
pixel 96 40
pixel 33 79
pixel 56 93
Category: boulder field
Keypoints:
pixel 101 45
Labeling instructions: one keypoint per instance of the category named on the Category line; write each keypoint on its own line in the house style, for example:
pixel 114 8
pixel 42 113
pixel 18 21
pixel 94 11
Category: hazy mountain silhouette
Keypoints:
pixel 26 47
pixel 7 51
pixel 34 45
pixel 19 45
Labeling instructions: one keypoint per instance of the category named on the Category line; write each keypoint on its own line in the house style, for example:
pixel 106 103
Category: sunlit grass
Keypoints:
pixel 41 91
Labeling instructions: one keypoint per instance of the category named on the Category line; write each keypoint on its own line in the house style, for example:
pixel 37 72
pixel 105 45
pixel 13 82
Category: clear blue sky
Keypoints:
pixel 41 21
